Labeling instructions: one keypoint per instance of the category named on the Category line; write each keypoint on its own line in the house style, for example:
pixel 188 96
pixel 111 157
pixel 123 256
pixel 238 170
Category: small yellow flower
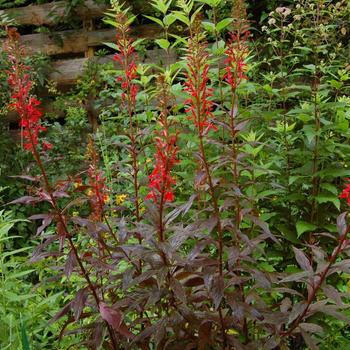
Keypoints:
pixel 232 331
pixel 77 184
pixel 148 160
pixel 120 199
pixel 90 192
pixel 75 213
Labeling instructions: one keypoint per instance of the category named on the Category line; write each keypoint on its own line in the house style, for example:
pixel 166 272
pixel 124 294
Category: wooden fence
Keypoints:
pixel 78 45
pixel 71 49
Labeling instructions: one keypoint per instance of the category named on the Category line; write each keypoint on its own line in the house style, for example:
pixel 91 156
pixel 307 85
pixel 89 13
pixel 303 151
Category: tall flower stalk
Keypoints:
pixel 126 57
pixel 23 102
pixel 235 67
pixel 199 108
pixel 27 107
pixel 98 190
pixel 160 180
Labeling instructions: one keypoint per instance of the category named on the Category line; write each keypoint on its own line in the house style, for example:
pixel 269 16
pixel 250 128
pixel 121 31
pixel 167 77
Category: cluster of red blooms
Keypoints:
pixel 24 103
pixel 97 192
pixel 126 58
pixel 236 52
pixel 199 105
pixel 161 180
pixel 346 192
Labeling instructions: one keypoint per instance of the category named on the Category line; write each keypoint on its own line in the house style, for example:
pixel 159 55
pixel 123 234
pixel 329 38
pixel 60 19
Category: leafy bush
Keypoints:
pixel 213 220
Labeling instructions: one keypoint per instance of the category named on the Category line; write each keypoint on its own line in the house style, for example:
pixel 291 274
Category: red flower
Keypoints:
pixel 126 58
pixel 346 192
pixel 26 105
pixel 161 181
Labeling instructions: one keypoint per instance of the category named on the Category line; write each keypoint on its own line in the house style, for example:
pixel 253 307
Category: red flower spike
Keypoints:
pixel 160 180
pixel 26 105
pixel 126 58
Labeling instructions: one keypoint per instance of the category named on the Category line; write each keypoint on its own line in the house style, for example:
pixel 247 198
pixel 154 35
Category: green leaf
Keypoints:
pixel 303 226
pixel 163 43
pixel 169 19
pixel 112 46
pixel 330 188
pixel 155 19
pixel 181 17
pixel 211 3
pixel 161 5
pixel 208 26
pixel 324 198
pixel 24 337
pixel 223 24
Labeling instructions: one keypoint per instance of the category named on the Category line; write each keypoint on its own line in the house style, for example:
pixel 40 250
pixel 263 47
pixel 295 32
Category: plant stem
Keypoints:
pixel 321 279
pixel 66 232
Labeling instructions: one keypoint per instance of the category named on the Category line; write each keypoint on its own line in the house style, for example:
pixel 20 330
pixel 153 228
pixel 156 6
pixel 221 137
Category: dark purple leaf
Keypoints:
pixel 341 224
pixel 182 209
pixel 61 313
pixel 263 225
pixel 333 294
pixel 296 311
pixel 178 290
pixel 46 222
pixel 60 194
pixel 296 277
pixel 204 335
pixel 311 327
pixel 332 310
pixel 70 263
pixel 302 260
pixel 25 177
pixel 98 335
pixel 26 200
pixel 217 290
pixel 112 316
pixel 79 303
pixel 308 340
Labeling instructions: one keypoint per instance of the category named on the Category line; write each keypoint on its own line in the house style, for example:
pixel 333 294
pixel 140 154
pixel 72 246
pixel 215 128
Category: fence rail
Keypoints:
pixel 71 49
pixel 49 14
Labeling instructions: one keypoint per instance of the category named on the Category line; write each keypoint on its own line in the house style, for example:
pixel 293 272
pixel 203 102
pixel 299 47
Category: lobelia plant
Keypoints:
pixel 26 106
pixel 182 273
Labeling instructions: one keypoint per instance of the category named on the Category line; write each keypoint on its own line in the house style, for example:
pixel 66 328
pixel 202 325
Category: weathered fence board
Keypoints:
pixel 49 13
pixel 66 72
pixel 74 42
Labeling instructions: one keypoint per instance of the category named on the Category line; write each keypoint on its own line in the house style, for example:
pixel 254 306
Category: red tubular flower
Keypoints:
pixel 236 53
pixel 161 180
pixel 199 105
pixel 26 105
pixel 346 192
